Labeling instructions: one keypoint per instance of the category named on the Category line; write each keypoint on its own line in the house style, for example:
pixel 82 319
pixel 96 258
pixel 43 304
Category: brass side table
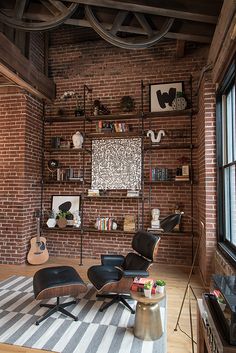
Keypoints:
pixel 147 324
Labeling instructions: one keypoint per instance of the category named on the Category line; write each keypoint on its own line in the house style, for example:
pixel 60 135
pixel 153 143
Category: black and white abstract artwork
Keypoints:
pixel 116 164
pixel 66 203
pixel 162 95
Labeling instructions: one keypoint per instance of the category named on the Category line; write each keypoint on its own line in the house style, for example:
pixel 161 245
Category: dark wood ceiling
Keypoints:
pixel 123 23
pixel 194 20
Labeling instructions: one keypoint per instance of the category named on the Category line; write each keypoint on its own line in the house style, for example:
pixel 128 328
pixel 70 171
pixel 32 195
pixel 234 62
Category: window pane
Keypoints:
pixel 234 123
pixel 230 204
pixel 226 154
pixel 229 119
pixel 227 203
pixel 233 203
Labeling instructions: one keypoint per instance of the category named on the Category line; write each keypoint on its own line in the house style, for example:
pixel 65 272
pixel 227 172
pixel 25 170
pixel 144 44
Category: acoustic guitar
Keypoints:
pixel 38 253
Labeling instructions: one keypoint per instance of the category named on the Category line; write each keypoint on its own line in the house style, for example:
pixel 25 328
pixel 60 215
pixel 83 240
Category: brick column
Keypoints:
pixel 207 176
pixel 20 165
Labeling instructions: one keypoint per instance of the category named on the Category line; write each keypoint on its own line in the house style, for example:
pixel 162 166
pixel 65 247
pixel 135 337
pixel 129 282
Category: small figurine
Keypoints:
pixel 159 135
pixel 100 109
pixel 77 140
pixel 155 223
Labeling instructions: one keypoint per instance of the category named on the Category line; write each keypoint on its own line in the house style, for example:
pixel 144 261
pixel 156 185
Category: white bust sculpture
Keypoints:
pixel 155 223
pixel 77 140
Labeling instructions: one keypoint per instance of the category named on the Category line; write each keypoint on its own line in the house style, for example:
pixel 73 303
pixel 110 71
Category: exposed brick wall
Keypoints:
pixel 207 176
pixel 112 73
pixel 20 154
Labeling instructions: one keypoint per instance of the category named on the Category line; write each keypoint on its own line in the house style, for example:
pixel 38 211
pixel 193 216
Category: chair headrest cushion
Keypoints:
pixel 145 243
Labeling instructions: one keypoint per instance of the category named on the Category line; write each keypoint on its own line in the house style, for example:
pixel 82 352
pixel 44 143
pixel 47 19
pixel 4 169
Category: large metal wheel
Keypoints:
pixel 35 15
pixel 128 30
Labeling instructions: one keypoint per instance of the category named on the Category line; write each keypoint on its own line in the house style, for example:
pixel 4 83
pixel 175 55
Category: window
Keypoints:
pixel 226 152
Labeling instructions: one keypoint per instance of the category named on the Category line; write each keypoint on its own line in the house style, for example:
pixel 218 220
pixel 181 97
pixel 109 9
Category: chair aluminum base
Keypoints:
pixel 57 307
pixel 114 299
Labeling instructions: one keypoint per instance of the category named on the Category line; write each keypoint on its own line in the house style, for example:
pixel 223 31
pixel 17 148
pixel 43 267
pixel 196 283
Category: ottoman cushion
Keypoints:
pixel 57 281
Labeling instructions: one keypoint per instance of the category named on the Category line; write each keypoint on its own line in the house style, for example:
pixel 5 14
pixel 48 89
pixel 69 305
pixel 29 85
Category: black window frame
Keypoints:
pixel 228 248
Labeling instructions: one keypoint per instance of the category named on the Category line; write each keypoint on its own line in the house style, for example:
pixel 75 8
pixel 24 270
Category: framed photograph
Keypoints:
pixel 162 95
pixel 66 204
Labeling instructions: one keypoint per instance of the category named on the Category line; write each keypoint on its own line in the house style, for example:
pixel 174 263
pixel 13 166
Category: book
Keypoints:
pixel 137 288
pixel 142 280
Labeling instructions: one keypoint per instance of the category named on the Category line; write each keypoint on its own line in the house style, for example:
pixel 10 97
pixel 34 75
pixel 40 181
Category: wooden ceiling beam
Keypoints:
pixel 19 8
pixel 149 9
pixel 137 30
pixel 226 53
pixel 54 11
pixel 20 70
pixel 225 20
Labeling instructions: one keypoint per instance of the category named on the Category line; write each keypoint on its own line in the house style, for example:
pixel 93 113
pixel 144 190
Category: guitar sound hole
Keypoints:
pixel 42 246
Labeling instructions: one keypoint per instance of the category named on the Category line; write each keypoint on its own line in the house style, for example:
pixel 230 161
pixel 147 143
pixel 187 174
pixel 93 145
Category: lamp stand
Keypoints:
pixel 187 290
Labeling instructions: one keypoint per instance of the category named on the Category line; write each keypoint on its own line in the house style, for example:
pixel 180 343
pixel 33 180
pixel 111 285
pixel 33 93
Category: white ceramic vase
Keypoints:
pixel 161 289
pixel 148 293
pixel 51 222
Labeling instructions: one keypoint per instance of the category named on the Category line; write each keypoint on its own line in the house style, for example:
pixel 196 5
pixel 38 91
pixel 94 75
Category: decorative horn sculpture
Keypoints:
pixel 159 135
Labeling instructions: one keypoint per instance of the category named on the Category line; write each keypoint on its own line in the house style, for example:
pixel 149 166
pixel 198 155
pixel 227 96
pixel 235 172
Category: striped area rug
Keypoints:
pixel 107 332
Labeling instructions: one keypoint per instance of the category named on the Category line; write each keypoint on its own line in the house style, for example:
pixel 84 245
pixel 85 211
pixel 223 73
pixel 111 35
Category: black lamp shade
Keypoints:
pixel 168 223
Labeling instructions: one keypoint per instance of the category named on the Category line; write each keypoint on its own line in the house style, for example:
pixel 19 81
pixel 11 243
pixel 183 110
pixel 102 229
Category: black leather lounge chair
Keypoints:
pixel 113 278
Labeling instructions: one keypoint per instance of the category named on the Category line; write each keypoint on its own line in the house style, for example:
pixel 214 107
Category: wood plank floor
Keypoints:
pixel 176 278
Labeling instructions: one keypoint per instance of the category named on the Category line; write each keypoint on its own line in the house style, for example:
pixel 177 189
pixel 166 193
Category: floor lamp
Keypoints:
pixel 168 224
pixel 188 288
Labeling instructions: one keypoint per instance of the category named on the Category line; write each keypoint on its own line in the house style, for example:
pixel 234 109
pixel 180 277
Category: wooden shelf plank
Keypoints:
pixel 67 150
pixel 98 135
pixel 64 119
pixel 153 182
pixel 169 114
pixel 117 231
pixel 64 182
pixel 67 229
pixel 112 197
pixel 169 147
pixel 172 234
pixel 114 117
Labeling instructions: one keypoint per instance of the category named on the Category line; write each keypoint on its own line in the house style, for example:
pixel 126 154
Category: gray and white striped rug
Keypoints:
pixel 107 332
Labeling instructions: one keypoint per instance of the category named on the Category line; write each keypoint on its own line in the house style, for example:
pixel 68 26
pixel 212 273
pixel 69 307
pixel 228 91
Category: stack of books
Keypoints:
pixel 104 223
pixel 138 284
pixel 159 174
pixel 182 178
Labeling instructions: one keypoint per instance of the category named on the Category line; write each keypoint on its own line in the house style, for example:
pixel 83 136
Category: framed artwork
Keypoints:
pixel 116 164
pixel 162 95
pixel 66 203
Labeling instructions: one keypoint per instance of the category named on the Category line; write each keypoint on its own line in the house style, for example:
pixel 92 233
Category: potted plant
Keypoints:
pixel 148 289
pixel 70 218
pixel 61 219
pixel 127 104
pixel 160 286
pixel 51 222
pixel 79 111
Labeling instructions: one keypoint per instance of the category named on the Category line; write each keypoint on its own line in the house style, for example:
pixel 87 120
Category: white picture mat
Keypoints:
pixel 57 200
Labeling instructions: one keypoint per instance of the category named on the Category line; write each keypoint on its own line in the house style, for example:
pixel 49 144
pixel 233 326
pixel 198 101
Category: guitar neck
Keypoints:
pixel 38 226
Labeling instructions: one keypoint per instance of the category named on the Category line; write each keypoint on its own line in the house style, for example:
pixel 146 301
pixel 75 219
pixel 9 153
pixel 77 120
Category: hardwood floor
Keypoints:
pixel 176 278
